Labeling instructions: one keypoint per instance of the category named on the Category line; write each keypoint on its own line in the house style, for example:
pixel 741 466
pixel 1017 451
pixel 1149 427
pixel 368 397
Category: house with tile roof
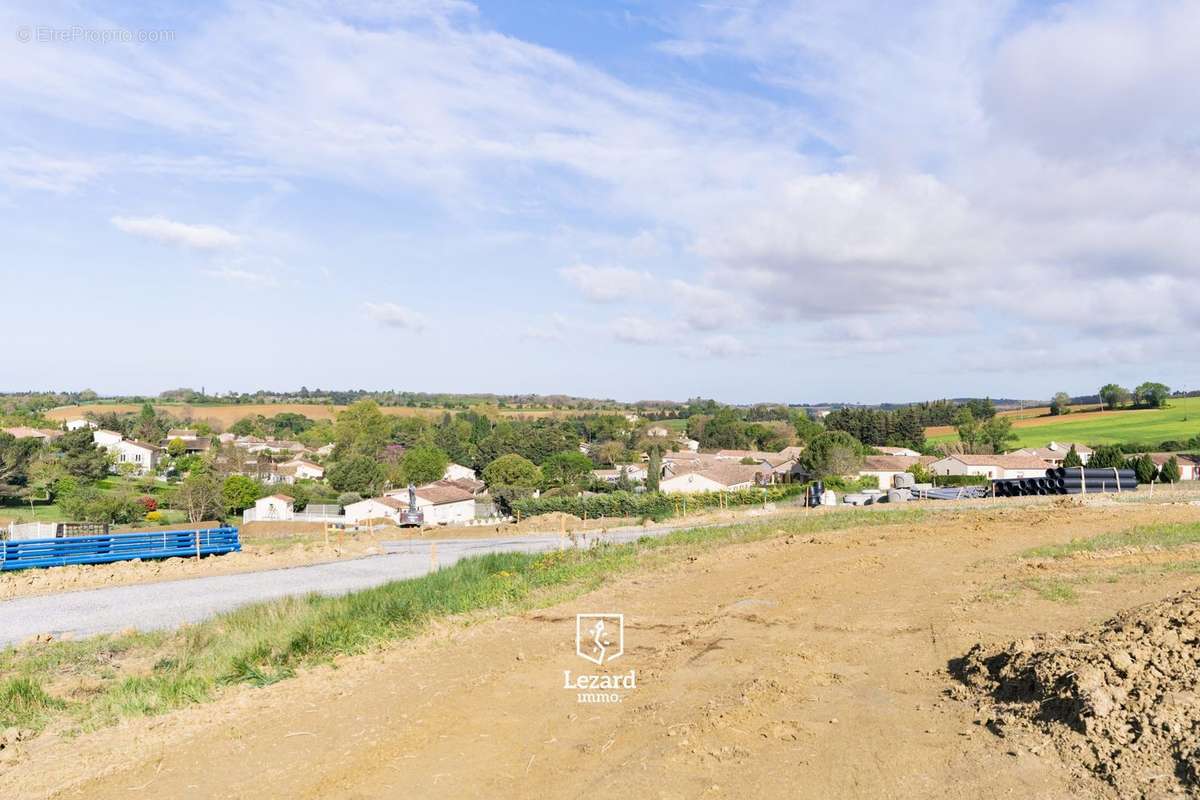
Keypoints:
pixel 991 466
pixel 718 477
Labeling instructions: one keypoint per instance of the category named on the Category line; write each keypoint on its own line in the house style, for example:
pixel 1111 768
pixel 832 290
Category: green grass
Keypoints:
pixel 144 674
pixel 1055 590
pixel 48 512
pixel 1155 537
pixel 1179 421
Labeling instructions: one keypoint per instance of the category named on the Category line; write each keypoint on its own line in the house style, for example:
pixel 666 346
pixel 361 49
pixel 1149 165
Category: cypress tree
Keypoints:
pixel 1072 459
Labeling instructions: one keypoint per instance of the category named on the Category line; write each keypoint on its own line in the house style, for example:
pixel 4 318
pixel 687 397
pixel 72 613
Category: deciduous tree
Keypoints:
pixel 1152 395
pixel 423 464
pixel 1113 396
pixel 833 453
pixel 1061 404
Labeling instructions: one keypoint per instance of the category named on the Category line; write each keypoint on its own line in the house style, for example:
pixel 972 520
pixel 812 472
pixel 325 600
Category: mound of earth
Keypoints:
pixel 1121 700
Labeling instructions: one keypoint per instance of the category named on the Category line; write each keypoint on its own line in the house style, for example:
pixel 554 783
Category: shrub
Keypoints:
pixel 651 505
pixel 962 480
pixel 90 505
pixel 148 503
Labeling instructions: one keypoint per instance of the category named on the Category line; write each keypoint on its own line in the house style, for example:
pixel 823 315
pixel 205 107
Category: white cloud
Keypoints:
pixel 640 331
pixel 552 329
pixel 244 276
pixel 607 284
pixel 161 229
pixel 706 308
pixel 396 316
pixel 725 346
pixel 24 168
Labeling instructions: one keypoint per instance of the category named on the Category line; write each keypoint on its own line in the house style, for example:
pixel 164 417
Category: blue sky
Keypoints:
pixel 790 201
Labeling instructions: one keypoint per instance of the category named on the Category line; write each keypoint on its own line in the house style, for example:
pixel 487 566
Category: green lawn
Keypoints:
pixel 48 512
pixel 1180 421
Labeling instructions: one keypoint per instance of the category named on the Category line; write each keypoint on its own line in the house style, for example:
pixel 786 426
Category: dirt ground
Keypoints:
pixel 802 666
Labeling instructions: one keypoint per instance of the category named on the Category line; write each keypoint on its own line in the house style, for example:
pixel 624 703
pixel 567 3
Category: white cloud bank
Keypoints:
pixel 166 231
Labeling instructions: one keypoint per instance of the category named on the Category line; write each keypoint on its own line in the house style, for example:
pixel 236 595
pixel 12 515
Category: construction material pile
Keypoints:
pixel 1121 701
pixel 927 492
pixel 1069 480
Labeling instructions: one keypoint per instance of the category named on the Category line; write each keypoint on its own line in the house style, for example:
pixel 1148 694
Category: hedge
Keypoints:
pixel 962 480
pixel 651 505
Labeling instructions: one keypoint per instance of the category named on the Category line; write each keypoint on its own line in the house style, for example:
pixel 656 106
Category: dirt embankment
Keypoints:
pixel 1121 700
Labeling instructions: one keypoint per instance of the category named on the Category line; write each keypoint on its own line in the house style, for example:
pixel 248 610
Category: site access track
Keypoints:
pixel 169 604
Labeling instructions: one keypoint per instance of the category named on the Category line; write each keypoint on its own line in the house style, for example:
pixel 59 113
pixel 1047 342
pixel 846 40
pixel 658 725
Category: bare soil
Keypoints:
pixel 809 666
pixel 1120 700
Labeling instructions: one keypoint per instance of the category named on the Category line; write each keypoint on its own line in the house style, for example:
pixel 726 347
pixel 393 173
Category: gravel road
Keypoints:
pixel 173 603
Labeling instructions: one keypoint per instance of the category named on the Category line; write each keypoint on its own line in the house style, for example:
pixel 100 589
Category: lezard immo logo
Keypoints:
pixel 600 638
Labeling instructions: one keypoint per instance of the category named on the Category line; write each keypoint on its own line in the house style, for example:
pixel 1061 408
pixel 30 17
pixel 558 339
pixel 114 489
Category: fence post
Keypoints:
pixel 197 544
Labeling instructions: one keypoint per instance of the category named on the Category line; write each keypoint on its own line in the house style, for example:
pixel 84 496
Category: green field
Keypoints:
pixel 1179 421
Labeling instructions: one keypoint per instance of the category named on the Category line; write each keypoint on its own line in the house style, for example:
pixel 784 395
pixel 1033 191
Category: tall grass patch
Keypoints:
pixel 1147 537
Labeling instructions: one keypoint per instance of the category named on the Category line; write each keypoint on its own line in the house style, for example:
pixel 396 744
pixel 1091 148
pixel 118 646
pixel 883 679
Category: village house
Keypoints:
pixel 300 469
pixel 885 468
pixel 681 462
pixel 442 503
pixel 142 455
pixel 79 422
pixel 658 432
pixel 185 434
pixel 1055 452
pixel 388 508
pixel 779 466
pixel 896 451
pixel 458 471
pixel 195 444
pixel 105 439
pixel 1189 465
pixel 991 466
pixel 690 444
pixel 274 507
pixel 719 477
pixel 633 472
pixel 253 444
pixel 23 432
pixel 476 487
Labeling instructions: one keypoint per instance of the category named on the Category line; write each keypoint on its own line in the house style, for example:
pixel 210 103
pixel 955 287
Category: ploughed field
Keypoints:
pixel 226 415
pixel 1001 650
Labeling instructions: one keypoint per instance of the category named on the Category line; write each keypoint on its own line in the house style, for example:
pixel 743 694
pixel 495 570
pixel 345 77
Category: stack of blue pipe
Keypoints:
pixel 26 553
